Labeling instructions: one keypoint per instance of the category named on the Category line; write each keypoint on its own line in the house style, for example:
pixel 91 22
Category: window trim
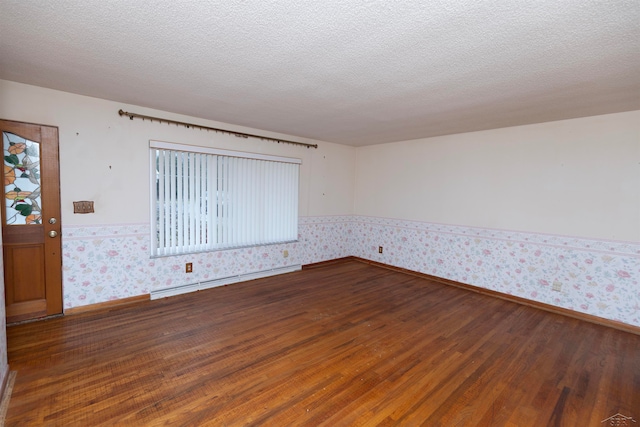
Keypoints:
pixel 220 152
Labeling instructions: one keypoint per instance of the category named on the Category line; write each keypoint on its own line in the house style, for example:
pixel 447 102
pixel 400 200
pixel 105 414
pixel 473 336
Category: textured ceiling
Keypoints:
pixel 355 72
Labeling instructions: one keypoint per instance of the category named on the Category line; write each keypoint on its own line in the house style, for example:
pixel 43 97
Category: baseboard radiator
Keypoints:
pixel 199 286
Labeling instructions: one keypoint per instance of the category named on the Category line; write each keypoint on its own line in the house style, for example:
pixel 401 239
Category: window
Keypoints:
pixel 207 199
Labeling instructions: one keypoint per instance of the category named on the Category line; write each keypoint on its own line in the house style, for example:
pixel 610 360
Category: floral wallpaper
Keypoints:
pixel 596 277
pixel 112 262
pixel 325 238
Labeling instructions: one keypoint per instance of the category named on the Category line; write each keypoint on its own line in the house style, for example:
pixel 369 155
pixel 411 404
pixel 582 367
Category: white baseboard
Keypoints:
pixel 199 286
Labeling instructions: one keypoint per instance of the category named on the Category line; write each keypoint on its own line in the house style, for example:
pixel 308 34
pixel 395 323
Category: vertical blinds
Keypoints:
pixel 206 199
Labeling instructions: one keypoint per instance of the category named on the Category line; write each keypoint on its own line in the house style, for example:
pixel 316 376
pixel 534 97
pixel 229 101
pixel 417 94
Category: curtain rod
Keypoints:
pixel 207 128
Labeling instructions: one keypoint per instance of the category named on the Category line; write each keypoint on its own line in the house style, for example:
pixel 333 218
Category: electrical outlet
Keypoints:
pixel 379 249
pixel 285 253
pixel 189 267
pixel 557 286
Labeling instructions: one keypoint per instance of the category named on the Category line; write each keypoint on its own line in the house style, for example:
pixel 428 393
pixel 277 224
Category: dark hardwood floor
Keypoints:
pixel 341 344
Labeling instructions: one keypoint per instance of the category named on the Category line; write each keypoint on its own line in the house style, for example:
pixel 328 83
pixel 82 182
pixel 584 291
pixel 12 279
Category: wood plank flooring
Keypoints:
pixel 347 344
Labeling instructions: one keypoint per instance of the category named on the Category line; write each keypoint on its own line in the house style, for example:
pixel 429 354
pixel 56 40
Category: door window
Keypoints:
pixel 21 180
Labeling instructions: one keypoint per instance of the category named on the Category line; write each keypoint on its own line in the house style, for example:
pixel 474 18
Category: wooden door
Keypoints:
pixel 31 221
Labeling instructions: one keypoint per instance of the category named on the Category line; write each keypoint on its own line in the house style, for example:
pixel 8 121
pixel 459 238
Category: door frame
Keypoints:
pixel 50 166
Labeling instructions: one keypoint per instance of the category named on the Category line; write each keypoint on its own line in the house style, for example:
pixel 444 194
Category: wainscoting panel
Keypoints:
pixel 596 277
pixel 600 278
pixel 326 237
pixel 112 262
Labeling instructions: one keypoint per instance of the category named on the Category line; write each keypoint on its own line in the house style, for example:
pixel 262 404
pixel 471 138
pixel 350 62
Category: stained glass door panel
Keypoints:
pixel 22 180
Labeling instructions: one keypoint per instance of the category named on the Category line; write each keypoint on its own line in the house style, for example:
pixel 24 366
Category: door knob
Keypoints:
pixel 53 233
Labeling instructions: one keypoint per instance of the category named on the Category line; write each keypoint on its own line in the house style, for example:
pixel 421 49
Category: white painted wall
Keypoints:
pixel 577 177
pixel 104 157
